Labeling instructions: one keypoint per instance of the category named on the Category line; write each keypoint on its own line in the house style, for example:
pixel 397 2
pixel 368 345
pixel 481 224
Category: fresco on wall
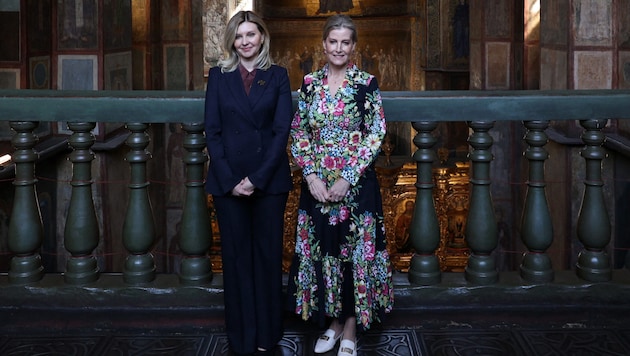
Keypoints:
pixel 334 6
pixel 176 67
pixel 116 24
pixel 387 63
pixel 323 8
pixel 39 25
pixel 10 34
pixel 117 68
pixel 593 23
pixel 77 24
pixel 175 19
pixel 385 55
pixel 214 19
pixel 554 22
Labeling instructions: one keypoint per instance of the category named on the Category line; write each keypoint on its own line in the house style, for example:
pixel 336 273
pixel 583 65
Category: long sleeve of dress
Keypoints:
pixel 301 133
pixel 364 148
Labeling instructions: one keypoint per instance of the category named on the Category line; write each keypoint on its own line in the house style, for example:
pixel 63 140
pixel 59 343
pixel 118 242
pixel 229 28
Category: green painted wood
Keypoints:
pixel 536 225
pixel 139 226
pixel 187 106
pixel 25 228
pixel 424 230
pixel 81 234
pixel 479 108
pixel 481 224
pixel 196 230
pixel 593 226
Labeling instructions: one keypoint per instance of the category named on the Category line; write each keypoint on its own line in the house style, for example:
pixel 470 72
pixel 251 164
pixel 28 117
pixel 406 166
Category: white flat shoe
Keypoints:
pixel 327 341
pixel 347 348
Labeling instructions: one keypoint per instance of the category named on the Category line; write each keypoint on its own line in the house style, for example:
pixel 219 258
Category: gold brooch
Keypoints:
pixel 261 82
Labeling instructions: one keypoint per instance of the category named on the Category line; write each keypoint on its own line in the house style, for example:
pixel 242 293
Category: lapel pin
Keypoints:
pixel 261 82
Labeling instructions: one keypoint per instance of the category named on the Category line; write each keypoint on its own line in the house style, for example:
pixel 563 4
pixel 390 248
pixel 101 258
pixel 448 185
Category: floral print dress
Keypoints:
pixel 341 266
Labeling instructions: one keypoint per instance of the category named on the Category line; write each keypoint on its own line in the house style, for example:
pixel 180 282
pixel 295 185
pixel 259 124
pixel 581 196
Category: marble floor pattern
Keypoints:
pixel 453 340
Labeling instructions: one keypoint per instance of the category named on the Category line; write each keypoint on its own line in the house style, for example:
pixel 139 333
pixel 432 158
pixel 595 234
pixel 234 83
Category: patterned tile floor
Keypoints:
pixel 455 340
pixel 451 319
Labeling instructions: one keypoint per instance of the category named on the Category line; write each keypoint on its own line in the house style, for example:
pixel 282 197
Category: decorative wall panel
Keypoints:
pixel 9 78
pixel 39 72
pixel 117 69
pixel 77 24
pixel 592 70
pixel 77 72
pixel 176 67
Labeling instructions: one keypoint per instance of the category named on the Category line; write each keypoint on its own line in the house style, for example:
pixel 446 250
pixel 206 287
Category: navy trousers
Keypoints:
pixel 251 230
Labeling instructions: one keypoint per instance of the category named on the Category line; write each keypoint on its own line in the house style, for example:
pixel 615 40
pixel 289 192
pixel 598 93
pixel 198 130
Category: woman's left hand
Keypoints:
pixel 338 191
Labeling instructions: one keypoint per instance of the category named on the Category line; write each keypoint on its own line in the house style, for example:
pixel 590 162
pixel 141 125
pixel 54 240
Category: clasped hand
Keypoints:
pixel 244 188
pixel 336 193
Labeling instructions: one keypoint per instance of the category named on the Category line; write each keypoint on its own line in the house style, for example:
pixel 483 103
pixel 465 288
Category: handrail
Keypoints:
pixel 187 106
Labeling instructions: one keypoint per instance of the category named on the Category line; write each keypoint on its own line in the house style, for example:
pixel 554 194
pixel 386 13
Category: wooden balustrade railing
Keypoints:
pixel 480 110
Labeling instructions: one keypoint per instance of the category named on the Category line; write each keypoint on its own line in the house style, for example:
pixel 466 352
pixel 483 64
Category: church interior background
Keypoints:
pixel 410 45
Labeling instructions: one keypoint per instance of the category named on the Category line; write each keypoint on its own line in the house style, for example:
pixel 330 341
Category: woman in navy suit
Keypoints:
pixel 247 120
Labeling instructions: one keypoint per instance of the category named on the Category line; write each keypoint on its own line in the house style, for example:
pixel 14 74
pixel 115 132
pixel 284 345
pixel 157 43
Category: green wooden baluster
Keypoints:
pixel 424 231
pixel 481 225
pixel 196 231
pixel 81 233
pixel 593 228
pixel 139 226
pixel 26 227
pixel 536 226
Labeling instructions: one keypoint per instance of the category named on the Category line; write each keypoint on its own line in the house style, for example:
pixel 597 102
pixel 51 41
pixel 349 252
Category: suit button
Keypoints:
pixel 258 150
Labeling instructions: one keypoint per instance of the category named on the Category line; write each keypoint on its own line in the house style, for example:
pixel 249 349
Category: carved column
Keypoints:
pixel 139 227
pixel 536 226
pixel 196 233
pixel 81 233
pixel 26 227
pixel 593 228
pixel 481 226
pixel 424 231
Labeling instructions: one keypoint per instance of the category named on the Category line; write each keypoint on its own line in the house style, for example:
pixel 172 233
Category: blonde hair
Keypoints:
pixel 231 59
pixel 336 22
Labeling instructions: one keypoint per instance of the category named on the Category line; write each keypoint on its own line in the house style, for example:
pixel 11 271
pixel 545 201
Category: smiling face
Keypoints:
pixel 338 47
pixel 248 41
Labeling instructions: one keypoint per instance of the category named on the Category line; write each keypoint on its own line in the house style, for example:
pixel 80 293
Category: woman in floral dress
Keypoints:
pixel 341 268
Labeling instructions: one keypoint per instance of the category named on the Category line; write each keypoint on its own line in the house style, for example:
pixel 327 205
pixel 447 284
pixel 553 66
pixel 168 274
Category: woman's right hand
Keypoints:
pixel 244 188
pixel 317 187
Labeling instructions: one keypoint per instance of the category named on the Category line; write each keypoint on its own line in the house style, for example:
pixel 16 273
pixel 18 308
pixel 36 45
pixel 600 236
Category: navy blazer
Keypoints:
pixel 246 135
